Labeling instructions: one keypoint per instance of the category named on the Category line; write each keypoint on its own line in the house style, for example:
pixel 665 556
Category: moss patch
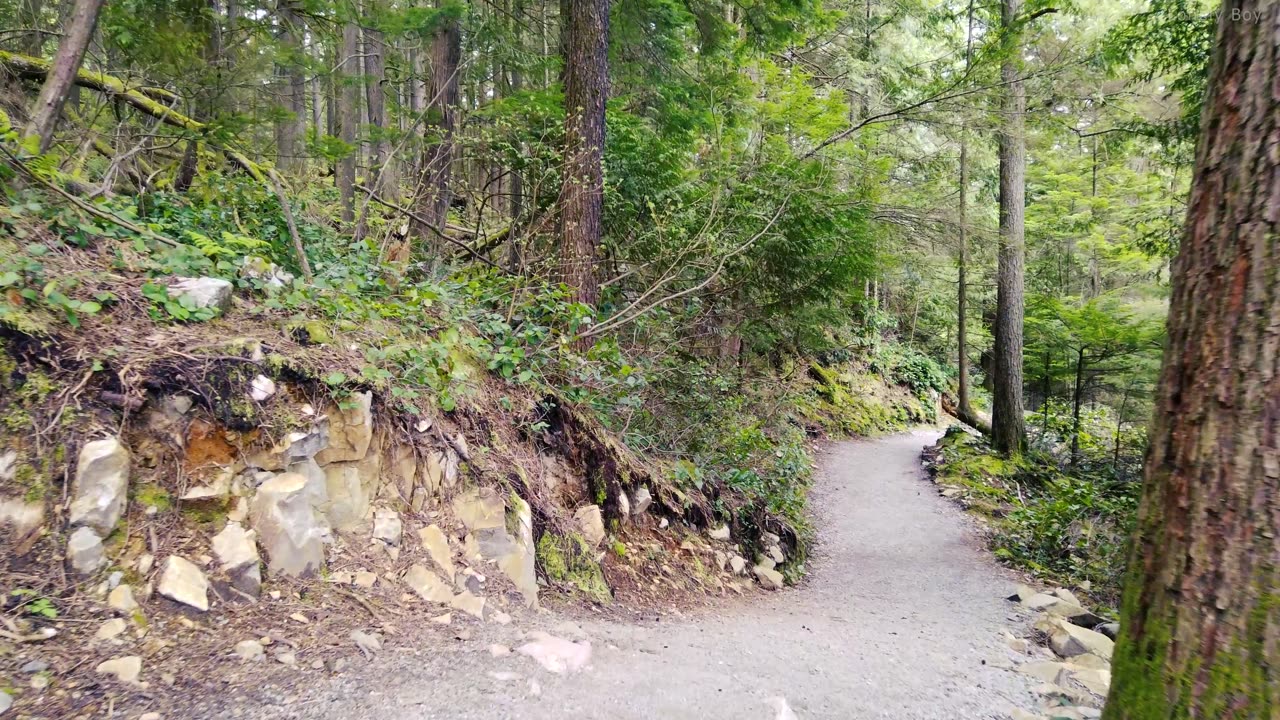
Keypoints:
pixel 568 560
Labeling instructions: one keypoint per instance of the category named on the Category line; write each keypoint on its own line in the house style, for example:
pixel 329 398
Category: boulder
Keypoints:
pixel 181 581
pixel 1069 640
pixel 769 579
pixel 85 551
pixel 480 509
pixel 519 563
pixel 590 524
pixel 288 526
pixel 387 526
pixel 350 429
pixel 1046 671
pixel 1110 629
pixel 349 486
pixel 428 585
pixel 125 669
pixel 101 486
pixel 202 292
pixel 237 551
pixel 1022 593
pixel 437 546
pixel 719 533
pixel 737 564
pixel 642 501
pixel 1089 661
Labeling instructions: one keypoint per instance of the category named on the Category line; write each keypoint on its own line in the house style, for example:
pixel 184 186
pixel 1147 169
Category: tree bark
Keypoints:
pixel 586 88
pixel 349 118
pixel 292 92
pixel 31 14
pixel 62 77
pixel 1008 428
pixel 442 103
pixel 964 405
pixel 381 174
pixel 1077 399
pixel 1200 627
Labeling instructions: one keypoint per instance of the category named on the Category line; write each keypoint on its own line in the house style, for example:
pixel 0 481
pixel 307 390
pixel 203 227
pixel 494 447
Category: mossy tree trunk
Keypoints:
pixel 62 74
pixel 1200 627
pixel 1008 428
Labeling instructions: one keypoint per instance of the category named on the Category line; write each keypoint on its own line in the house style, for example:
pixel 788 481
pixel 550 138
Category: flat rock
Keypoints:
pixel 85 552
pixel 1040 601
pixel 556 654
pixel 1097 682
pixel 235 547
pixel 1069 640
pixel 437 546
pixel 428 585
pixel 719 533
pixel 364 579
pixel 468 603
pixel 101 486
pixel 480 509
pixel 250 651
pixel 125 669
pixel 1022 593
pixel 111 629
pixel 1046 671
pixel 181 581
pixel 1067 596
pixel 1090 661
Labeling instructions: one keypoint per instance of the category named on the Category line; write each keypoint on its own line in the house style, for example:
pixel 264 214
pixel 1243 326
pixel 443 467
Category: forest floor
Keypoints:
pixel 901 616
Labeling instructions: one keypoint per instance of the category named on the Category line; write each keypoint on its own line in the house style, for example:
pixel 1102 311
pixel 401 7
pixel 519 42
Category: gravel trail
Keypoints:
pixel 899 618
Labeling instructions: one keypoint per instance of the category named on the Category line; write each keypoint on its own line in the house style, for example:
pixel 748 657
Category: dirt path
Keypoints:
pixel 900 618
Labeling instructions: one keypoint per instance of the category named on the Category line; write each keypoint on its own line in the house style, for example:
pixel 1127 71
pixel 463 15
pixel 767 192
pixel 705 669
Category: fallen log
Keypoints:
pixel 142 99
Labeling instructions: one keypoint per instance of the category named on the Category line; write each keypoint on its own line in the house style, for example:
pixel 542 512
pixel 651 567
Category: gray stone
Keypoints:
pixel 775 554
pixel 719 533
pixel 1074 614
pixel 1097 682
pixel 643 501
pixel 737 564
pixel 590 524
pixel 468 603
pixel 101 486
pixel 1110 629
pixel 769 579
pixel 6 701
pixel 250 651
pixel 428 585
pixel 111 629
pixel 235 547
pixel 261 388
pixel 125 669
pixel 1067 596
pixel 34 666
pixel 1040 601
pixel 1069 640
pixel 181 581
pixel 350 430
pixel 519 563
pixel 1022 593
pixel 349 486
pixel 386 526
pixel 290 529
pixel 624 505
pixel 8 465
pixel 1046 671
pixel 203 292
pixel 437 546
pixel 480 509
pixel 85 551
pixel 23 517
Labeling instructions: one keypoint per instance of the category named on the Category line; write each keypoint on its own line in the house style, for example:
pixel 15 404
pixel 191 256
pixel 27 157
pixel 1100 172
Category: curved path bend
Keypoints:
pixel 900 617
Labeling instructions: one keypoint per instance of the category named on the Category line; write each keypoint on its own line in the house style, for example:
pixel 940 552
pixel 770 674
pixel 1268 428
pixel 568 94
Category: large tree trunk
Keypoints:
pixel 375 49
pixel 349 118
pixel 586 88
pixel 1008 429
pixel 291 128
pixel 442 103
pixel 964 405
pixel 77 33
pixel 1200 627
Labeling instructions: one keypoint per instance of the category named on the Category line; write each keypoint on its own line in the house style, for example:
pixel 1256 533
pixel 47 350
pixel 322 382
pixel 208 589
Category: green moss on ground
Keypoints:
pixel 568 560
